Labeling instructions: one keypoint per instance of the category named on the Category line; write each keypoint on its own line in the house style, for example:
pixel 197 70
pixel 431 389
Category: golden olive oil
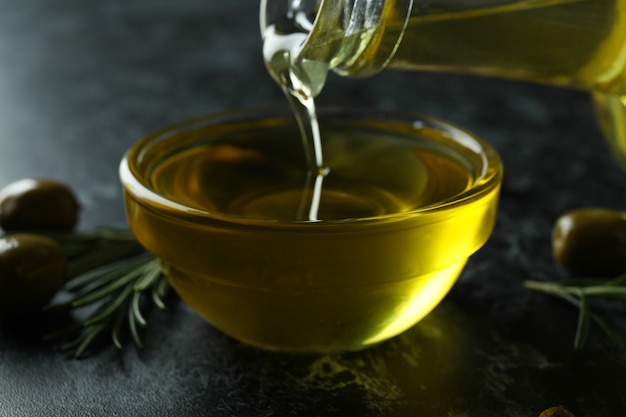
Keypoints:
pixel 569 43
pixel 263 177
pixel 575 43
pixel 378 258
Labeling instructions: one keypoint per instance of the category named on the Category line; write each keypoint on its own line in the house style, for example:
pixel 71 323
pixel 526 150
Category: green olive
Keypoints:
pixel 32 269
pixel 591 242
pixel 558 411
pixel 36 204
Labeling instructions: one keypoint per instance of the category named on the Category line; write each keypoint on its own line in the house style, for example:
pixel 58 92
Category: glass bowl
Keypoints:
pixel 284 258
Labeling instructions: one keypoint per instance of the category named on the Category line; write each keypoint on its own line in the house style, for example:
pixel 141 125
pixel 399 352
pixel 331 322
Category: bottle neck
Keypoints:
pixel 350 37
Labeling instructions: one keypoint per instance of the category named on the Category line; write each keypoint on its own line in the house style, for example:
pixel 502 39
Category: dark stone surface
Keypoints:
pixel 80 81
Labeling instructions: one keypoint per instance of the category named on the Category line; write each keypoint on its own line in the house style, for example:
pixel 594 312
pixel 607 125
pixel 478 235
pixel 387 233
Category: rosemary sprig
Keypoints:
pixel 110 273
pixel 578 292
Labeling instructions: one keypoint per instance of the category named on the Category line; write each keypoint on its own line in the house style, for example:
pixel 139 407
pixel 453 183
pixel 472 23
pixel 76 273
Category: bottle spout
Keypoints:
pixel 351 37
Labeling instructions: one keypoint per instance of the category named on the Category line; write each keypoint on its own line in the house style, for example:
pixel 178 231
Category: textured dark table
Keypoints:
pixel 80 81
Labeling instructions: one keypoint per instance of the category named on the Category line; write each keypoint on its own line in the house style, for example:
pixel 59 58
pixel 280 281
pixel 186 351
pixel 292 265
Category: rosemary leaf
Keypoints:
pixel 117 327
pixel 89 333
pixel 132 324
pixel 109 270
pixel 110 308
pixel 156 295
pixel 107 290
pixel 577 292
pixel 152 273
pixel 89 336
pixel 136 310
pixel 98 276
pixel 162 287
pixel 604 290
pixel 550 288
pixel 584 320
pixel 101 275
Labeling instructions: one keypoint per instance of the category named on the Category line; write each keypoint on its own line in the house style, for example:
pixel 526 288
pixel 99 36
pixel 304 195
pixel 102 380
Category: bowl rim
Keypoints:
pixel 488 180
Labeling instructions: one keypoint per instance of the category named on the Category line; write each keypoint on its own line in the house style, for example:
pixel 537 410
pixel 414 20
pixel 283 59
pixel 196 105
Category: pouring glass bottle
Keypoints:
pixel 570 43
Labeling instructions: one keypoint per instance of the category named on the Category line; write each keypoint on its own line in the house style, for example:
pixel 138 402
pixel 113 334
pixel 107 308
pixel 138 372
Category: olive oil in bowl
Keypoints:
pixel 225 203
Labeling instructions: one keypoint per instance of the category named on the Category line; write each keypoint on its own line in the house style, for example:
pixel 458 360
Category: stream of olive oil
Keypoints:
pixel 280 52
